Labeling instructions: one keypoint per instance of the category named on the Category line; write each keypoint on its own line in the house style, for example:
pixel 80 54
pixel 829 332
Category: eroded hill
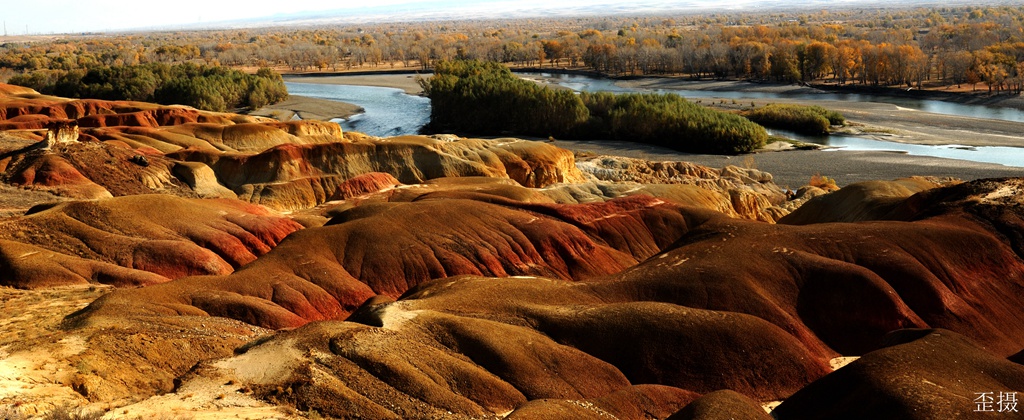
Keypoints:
pixel 266 269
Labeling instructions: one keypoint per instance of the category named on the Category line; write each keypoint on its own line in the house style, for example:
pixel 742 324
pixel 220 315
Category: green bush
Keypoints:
pixel 670 121
pixel 486 98
pixel 203 87
pixel 798 118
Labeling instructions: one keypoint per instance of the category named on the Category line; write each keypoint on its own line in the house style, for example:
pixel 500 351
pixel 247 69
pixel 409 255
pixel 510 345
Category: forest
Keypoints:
pixel 972 47
pixel 486 98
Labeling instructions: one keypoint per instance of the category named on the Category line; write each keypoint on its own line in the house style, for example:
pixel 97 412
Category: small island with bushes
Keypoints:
pixel 804 119
pixel 485 98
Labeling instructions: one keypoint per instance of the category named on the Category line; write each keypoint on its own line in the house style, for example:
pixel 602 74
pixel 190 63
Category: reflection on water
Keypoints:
pixel 389 112
pixel 1009 156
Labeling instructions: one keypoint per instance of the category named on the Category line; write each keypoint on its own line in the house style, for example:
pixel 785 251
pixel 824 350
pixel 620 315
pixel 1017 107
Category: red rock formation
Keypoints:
pixel 52 173
pixel 26 122
pixel 30 267
pixel 748 193
pixel 92 170
pixel 326 273
pixel 167 236
pixel 848 284
pixel 578 344
pixel 301 164
pixel 500 353
pixel 363 184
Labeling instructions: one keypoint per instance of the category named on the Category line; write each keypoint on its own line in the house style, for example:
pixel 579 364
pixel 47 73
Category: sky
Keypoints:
pixel 73 16
pixel 35 17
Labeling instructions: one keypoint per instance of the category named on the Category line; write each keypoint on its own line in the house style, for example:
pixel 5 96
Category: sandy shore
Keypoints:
pixel 306 108
pixel 406 82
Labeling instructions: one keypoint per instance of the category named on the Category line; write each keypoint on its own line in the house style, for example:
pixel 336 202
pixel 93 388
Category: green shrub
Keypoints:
pixel 205 87
pixel 799 118
pixel 486 98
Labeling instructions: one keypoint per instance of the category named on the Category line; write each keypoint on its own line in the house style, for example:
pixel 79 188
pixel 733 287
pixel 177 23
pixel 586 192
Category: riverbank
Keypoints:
pixel 877 120
pixel 794 168
pixel 307 108
pixel 404 81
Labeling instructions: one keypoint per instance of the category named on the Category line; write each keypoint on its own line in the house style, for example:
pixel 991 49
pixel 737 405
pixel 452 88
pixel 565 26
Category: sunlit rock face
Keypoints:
pixel 743 192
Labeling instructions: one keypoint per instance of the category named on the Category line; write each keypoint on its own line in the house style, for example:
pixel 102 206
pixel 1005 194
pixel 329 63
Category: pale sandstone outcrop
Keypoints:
pixel 293 176
pixel 748 192
pixel 201 179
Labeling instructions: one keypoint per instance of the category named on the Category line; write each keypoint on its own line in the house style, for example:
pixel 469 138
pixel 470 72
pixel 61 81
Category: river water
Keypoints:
pixel 391 112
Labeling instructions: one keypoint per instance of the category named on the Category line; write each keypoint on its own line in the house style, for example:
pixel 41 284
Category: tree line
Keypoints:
pixel 205 87
pixel 486 98
pixel 953 45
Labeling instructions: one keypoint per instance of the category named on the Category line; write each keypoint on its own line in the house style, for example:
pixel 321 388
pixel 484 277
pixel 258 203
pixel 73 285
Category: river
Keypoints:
pixel 388 112
pixel 391 112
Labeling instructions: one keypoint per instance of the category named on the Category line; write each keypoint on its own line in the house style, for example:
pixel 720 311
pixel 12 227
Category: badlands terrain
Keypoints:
pixel 164 262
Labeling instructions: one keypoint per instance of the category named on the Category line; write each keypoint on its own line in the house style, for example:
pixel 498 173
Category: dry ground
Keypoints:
pixel 37 372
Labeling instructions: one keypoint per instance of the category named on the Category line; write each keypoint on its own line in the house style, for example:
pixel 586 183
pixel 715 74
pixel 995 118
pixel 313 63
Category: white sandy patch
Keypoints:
pixel 35 375
pixel 610 216
pixel 36 382
pixel 1004 191
pixel 394 315
pixel 203 399
pixel 841 361
pixel 680 261
pixel 264 364
pixel 770 406
pixel 221 391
